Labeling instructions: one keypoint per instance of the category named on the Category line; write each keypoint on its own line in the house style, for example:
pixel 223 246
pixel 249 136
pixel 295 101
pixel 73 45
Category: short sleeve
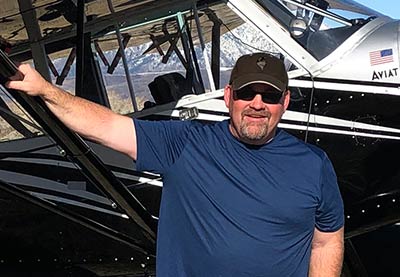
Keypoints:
pixel 330 212
pixel 159 143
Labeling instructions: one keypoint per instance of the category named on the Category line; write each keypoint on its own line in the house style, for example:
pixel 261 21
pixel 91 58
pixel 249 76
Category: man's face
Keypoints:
pixel 252 120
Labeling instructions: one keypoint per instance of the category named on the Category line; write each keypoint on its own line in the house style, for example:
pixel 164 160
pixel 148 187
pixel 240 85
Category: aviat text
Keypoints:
pixel 385 74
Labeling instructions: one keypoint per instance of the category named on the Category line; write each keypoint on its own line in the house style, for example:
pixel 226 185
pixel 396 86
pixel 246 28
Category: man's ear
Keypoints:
pixel 227 95
pixel 286 100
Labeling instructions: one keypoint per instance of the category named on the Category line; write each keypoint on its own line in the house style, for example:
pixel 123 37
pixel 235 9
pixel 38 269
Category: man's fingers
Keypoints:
pixel 17 77
pixel 13 84
pixel 14 81
pixel 27 80
pixel 21 86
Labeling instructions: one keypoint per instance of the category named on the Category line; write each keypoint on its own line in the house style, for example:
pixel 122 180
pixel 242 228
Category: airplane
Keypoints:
pixel 71 207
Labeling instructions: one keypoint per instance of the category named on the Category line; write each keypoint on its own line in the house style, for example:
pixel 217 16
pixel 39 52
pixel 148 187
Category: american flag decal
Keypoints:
pixel 381 56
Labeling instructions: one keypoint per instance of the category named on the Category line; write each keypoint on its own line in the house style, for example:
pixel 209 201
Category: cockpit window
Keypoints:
pixel 320 26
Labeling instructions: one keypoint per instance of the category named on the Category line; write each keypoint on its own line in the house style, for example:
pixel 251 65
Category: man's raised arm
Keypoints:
pixel 91 120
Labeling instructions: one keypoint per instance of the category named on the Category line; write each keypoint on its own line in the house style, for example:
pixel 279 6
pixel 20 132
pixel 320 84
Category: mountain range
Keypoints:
pixel 144 68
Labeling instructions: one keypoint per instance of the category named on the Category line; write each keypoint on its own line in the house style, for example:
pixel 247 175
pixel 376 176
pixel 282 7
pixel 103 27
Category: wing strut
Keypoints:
pixel 77 150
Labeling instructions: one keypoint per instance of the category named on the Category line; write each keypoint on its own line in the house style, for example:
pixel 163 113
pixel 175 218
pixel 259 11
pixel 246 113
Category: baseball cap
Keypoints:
pixel 259 68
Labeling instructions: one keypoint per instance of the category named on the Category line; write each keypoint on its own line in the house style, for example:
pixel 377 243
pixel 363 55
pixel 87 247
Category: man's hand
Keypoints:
pixel 30 81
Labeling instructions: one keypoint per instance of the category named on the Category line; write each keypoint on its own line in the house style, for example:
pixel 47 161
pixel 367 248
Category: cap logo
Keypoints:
pixel 261 63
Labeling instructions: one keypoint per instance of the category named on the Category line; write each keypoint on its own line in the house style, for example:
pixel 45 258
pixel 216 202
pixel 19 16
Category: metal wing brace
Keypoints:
pixel 80 153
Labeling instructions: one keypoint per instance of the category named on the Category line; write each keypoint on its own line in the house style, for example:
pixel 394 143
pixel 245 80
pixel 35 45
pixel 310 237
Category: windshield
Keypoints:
pixel 320 26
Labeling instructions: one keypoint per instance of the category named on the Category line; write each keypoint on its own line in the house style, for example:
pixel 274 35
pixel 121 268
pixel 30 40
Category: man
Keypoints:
pixel 241 197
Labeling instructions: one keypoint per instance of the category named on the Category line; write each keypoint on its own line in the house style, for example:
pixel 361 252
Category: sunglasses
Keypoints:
pixel 271 96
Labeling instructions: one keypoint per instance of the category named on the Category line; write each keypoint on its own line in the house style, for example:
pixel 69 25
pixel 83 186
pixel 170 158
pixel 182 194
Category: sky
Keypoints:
pixel 387 7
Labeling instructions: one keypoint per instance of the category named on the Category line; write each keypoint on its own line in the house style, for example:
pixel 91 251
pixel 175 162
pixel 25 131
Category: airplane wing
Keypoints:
pixel 350 5
pixel 57 23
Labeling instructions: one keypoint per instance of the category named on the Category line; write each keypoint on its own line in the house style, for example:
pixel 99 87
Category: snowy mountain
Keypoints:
pixel 241 40
pixel 144 68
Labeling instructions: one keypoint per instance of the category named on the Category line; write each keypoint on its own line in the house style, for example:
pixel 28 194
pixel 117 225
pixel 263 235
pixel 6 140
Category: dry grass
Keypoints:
pixel 7 132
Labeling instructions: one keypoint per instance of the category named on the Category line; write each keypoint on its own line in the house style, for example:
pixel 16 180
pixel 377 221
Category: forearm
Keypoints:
pixel 92 120
pixel 80 115
pixel 326 261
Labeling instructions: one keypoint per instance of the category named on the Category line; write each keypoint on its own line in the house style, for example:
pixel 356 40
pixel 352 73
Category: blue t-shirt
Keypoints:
pixel 230 209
